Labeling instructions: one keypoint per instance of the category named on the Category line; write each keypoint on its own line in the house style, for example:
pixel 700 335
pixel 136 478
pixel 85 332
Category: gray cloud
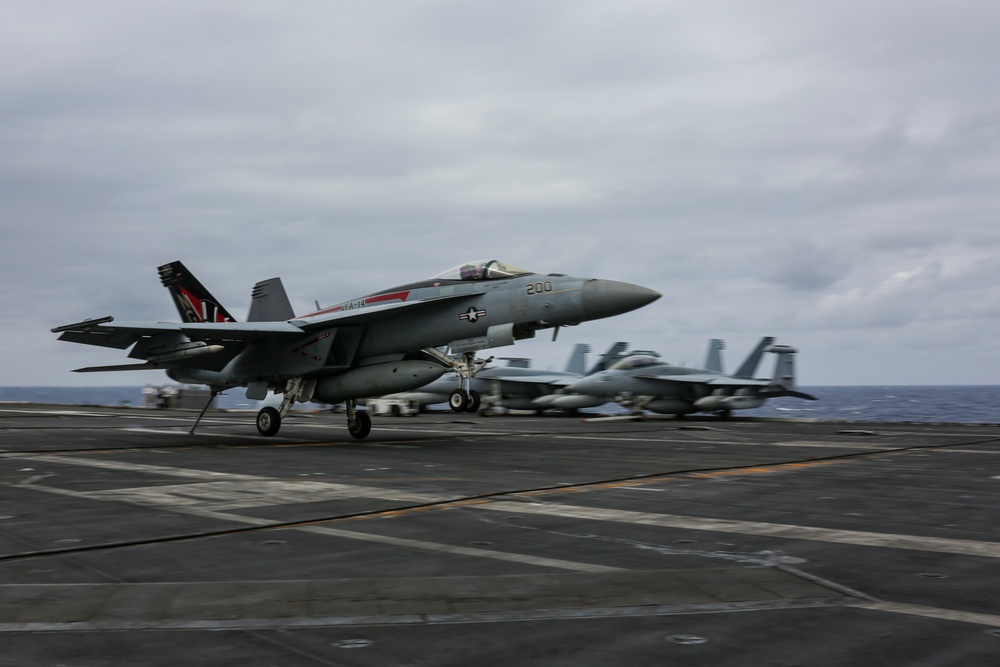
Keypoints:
pixel 821 172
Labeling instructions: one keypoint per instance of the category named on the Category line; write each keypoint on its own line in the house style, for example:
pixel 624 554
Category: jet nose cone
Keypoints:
pixel 605 298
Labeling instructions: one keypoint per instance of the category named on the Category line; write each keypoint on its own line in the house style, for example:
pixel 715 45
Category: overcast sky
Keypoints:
pixel 823 172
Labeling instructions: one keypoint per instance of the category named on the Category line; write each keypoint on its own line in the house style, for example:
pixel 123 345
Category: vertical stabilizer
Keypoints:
pixel 270 302
pixel 749 365
pixel 784 367
pixel 577 363
pixel 193 301
pixel 713 359
pixel 614 353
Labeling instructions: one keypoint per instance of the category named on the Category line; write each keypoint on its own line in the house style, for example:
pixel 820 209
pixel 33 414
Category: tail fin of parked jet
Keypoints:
pixel 784 367
pixel 193 301
pixel 614 353
pixel 577 363
pixel 270 302
pixel 749 365
pixel 713 359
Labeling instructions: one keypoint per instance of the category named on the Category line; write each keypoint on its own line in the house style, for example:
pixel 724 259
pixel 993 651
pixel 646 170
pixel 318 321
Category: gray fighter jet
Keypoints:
pixel 646 382
pixel 515 386
pixel 377 344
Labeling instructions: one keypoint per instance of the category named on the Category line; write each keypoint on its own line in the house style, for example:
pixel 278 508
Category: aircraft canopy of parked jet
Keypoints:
pixel 636 361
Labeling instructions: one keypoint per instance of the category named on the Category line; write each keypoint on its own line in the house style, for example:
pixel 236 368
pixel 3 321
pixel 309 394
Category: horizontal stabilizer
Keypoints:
pixel 86 325
pixel 121 367
pixel 791 393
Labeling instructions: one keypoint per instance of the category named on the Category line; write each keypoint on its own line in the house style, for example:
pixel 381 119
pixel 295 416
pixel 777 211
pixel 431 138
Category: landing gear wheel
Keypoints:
pixel 475 400
pixel 458 400
pixel 268 421
pixel 361 427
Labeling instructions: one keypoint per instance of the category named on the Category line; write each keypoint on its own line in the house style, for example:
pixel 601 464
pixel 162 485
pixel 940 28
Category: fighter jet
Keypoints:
pixel 514 386
pixel 376 344
pixel 646 382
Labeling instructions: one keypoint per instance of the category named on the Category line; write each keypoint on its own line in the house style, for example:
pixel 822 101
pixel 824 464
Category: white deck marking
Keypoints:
pixel 237 494
pixel 227 491
pixel 932 612
pixel 207 499
pixel 130 467
pixel 462 551
pixel 202 510
pixel 679 441
pixel 862 538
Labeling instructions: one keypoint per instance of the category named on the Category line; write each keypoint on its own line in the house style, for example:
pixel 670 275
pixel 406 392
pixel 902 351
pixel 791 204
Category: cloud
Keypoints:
pixel 773 169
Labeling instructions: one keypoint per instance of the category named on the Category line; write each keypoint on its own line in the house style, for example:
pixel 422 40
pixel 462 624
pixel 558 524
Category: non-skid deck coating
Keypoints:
pixel 452 540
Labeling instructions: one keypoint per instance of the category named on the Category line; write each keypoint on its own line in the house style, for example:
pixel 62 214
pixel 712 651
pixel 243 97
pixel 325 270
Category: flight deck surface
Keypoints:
pixel 463 540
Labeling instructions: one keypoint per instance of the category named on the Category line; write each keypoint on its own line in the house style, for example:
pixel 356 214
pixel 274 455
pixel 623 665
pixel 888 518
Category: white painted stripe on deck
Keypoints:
pixel 862 538
pixel 424 545
pixel 977 618
pixel 461 551
pixel 202 499
pixel 130 467
pixel 680 441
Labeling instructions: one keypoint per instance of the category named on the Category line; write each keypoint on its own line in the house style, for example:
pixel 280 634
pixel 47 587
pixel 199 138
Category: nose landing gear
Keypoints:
pixel 462 399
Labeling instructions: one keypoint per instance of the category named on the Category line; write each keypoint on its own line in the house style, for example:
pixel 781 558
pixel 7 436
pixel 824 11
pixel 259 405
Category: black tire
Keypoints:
pixel 268 421
pixel 475 400
pixel 362 426
pixel 458 400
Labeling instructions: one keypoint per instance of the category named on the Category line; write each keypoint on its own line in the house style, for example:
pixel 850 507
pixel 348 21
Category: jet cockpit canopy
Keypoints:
pixel 636 361
pixel 482 269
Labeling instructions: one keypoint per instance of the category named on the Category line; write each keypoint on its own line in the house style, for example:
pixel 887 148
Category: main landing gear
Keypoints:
pixel 268 421
pixel 463 399
pixel 359 424
pixel 300 389
pixel 295 389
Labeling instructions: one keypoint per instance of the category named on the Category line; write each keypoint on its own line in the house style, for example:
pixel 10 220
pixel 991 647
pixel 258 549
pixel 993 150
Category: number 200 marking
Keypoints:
pixel 538 288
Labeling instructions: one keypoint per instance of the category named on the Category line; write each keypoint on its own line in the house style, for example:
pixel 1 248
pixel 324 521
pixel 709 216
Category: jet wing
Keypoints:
pixel 558 380
pixel 362 315
pixel 770 388
pixel 120 336
pixel 705 378
pixel 103 332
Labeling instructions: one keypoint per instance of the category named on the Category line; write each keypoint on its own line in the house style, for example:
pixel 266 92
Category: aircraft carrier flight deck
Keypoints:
pixel 446 539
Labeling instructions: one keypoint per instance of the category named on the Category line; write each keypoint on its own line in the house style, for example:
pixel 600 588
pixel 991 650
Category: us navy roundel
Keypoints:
pixel 472 314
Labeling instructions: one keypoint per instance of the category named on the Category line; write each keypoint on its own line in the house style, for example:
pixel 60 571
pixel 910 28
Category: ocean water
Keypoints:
pixel 972 404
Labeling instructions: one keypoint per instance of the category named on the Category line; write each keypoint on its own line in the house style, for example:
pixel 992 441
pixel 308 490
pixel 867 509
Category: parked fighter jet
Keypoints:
pixel 515 386
pixel 373 345
pixel 645 382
